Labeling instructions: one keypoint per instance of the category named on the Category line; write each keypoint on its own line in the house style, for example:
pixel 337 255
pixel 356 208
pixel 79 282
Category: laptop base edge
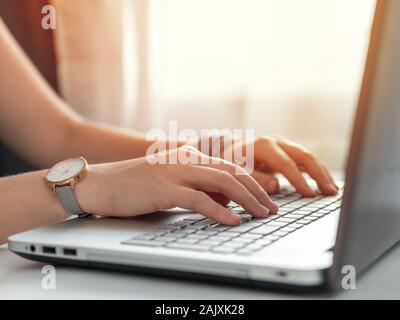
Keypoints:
pixel 183 275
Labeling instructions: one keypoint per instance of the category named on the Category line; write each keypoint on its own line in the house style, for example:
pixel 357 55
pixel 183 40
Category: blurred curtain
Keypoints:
pixel 89 49
pixel 99 53
pixel 290 67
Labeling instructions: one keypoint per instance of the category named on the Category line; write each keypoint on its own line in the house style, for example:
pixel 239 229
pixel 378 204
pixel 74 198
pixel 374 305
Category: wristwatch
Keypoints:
pixel 62 178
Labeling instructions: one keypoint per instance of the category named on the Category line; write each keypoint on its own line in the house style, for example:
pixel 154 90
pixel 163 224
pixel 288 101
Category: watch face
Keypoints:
pixel 65 170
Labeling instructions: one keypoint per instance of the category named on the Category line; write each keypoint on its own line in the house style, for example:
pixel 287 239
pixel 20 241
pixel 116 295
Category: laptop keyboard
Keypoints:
pixel 198 233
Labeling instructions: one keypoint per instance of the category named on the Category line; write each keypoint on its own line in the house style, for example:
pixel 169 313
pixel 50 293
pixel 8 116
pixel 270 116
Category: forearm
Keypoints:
pixel 103 143
pixel 26 203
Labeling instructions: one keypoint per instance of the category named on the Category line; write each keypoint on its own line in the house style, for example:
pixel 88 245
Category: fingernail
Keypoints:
pixel 237 218
pixel 276 207
pixel 331 188
pixel 272 186
pixel 310 193
pixel 264 211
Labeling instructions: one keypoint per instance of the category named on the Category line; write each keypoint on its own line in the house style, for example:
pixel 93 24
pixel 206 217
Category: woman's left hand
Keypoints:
pixel 279 155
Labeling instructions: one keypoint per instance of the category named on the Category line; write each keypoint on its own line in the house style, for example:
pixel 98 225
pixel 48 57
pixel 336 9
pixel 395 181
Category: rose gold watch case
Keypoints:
pixel 72 181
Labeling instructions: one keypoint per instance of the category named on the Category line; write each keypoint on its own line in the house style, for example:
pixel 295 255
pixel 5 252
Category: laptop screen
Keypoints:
pixel 370 220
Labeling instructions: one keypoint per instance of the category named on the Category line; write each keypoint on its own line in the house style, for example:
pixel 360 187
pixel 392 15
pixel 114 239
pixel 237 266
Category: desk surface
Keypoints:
pixel 21 279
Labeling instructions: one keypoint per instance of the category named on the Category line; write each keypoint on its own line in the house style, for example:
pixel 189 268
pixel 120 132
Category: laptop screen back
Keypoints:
pixel 370 219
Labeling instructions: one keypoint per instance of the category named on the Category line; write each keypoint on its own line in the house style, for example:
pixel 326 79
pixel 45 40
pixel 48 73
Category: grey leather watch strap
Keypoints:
pixel 68 200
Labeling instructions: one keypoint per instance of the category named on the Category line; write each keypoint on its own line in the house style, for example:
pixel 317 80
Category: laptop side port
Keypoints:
pixel 69 252
pixel 49 250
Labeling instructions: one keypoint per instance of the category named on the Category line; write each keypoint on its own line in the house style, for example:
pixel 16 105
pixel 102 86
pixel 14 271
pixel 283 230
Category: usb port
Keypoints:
pixel 69 252
pixel 49 250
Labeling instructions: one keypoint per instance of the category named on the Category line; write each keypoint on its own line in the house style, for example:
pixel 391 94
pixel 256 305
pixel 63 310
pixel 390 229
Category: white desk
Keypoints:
pixel 21 279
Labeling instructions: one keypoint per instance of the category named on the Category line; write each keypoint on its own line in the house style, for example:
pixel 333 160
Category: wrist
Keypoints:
pixel 91 194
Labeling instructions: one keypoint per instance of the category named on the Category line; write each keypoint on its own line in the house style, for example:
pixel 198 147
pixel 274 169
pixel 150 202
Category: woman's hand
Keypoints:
pixel 278 155
pixel 136 187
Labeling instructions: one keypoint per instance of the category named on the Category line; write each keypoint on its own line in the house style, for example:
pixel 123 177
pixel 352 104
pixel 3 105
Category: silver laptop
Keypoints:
pixel 310 240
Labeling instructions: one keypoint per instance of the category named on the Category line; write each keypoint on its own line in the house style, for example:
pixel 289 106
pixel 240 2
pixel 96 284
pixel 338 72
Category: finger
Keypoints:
pixel 330 176
pixel 312 165
pixel 199 201
pixel 220 181
pixel 268 181
pixel 248 181
pixel 279 161
pixel 220 198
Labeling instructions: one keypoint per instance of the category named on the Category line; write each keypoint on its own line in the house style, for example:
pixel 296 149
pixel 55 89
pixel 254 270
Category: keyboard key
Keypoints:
pixel 165 239
pixel 293 216
pixel 265 229
pixel 209 243
pixel 254 246
pixel 285 209
pixel 187 241
pixel 242 240
pixel 246 215
pixel 302 221
pixel 249 236
pixel 223 250
pixel 263 242
pixel 220 227
pixel 220 239
pixel 312 207
pixel 323 211
pixel 270 236
pixel 304 210
pixel 227 234
pixel 184 246
pixel 245 252
pixel 291 228
pixel 169 227
pixel 282 202
pixel 196 236
pixel 310 218
pixel 202 224
pixel 301 210
pixel 293 205
pixel 180 233
pixel 280 233
pixel 264 220
pixel 297 225
pixel 245 219
pixel 196 217
pixel 184 222
pixel 205 222
pixel 231 244
pixel 255 223
pixel 277 224
pixel 196 227
pixel 207 232
pixel 242 228
pixel 183 232
pixel 317 214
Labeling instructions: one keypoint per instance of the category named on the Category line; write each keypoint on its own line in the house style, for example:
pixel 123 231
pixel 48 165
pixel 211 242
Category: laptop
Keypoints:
pixel 308 244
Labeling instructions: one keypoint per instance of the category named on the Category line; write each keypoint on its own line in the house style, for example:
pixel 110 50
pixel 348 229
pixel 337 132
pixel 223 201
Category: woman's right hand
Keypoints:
pixel 135 187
